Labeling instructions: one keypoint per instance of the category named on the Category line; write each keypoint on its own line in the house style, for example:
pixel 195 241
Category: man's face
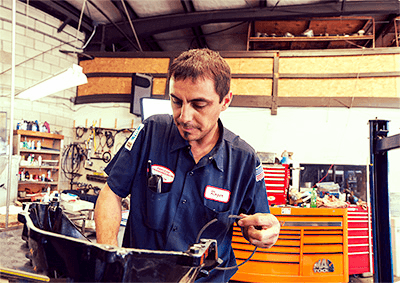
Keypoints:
pixel 196 108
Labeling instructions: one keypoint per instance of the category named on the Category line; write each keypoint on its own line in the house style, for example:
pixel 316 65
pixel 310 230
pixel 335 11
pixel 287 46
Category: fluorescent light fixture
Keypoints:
pixel 69 78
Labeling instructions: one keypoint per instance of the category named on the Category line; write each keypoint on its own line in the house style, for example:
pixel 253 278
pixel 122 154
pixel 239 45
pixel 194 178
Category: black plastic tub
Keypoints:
pixel 59 250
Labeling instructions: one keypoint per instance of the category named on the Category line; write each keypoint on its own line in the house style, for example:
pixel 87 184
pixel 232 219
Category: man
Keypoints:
pixel 207 172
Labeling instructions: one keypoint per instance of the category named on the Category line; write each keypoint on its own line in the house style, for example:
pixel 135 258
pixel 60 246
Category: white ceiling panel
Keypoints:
pixel 226 36
pixel 104 5
pixel 175 40
pixel 150 8
pixel 207 5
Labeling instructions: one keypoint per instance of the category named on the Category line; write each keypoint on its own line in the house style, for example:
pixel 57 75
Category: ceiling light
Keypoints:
pixel 71 77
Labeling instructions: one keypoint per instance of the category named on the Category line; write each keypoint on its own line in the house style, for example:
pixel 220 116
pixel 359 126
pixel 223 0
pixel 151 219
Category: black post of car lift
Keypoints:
pixel 380 144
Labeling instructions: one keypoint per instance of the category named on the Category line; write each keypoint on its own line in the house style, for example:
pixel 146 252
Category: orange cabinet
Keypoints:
pixel 312 247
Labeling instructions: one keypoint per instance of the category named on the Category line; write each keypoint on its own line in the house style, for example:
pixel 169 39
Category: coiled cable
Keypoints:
pixel 210 223
pixel 72 157
pixel 109 139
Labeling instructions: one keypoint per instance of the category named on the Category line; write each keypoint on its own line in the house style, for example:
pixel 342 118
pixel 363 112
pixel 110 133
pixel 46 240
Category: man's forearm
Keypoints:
pixel 107 217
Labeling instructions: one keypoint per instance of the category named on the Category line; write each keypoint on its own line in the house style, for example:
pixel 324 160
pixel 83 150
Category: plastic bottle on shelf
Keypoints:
pixel 46 197
pixel 313 202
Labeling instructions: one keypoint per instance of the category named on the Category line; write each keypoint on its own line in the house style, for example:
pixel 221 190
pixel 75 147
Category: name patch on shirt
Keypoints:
pixel 167 175
pixel 259 173
pixel 217 194
pixel 132 139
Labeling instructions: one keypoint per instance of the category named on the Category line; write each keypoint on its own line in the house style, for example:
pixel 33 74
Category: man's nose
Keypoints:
pixel 186 113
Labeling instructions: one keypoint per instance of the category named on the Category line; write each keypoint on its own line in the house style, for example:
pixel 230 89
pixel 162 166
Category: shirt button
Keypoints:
pixel 210 158
pixel 191 173
pixel 183 201
pixel 175 228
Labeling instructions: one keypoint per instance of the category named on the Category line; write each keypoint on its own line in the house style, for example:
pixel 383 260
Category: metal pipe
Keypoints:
pixel 11 137
pixel 370 250
pixel 132 27
pixel 113 23
pixel 383 263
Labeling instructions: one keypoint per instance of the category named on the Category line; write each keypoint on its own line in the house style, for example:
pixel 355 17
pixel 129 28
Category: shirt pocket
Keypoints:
pixel 156 210
pixel 220 212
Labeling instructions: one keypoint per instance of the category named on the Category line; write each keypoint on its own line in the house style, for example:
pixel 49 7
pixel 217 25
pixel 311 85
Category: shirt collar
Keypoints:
pixel 216 155
pixel 176 140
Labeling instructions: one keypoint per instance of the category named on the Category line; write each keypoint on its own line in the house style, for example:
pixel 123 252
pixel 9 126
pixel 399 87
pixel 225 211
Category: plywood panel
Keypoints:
pixel 281 27
pixel 337 27
pixel 125 65
pixel 250 65
pixel 344 64
pixel 159 85
pixel 365 87
pixel 396 58
pixel 105 85
pixel 258 87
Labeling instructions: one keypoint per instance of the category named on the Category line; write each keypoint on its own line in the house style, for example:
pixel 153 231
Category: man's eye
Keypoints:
pixel 177 102
pixel 199 105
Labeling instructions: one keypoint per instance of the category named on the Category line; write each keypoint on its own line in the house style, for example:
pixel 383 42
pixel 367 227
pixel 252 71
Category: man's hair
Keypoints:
pixel 202 63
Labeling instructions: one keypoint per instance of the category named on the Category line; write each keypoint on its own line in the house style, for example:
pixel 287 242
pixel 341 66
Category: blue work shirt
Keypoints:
pixel 227 181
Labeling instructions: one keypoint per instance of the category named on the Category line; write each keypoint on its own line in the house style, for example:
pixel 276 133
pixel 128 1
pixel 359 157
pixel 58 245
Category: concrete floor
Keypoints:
pixel 13 250
pixel 369 279
pixel 357 279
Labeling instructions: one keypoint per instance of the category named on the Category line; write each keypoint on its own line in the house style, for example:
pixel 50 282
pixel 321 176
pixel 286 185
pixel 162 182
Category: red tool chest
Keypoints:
pixel 277 182
pixel 360 240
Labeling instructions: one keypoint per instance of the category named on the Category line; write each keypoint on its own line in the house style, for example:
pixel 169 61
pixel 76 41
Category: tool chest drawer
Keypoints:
pixel 276 178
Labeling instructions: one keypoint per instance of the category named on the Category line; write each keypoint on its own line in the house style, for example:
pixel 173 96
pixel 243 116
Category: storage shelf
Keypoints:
pixel 39 167
pixel 37 182
pixel 38 134
pixel 314 38
pixel 42 151
pixel 340 31
pixel 50 152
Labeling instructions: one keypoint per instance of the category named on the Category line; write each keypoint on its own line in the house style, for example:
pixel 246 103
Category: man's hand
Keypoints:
pixel 260 229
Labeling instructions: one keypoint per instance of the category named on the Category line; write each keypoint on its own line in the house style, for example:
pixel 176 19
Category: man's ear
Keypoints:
pixel 226 101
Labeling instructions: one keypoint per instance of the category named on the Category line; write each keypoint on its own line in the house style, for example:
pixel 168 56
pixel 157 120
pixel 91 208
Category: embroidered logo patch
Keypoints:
pixel 217 194
pixel 132 139
pixel 259 173
pixel 167 175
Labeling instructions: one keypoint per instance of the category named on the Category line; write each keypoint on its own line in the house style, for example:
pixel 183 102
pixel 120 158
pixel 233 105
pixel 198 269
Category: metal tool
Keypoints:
pixel 154 182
